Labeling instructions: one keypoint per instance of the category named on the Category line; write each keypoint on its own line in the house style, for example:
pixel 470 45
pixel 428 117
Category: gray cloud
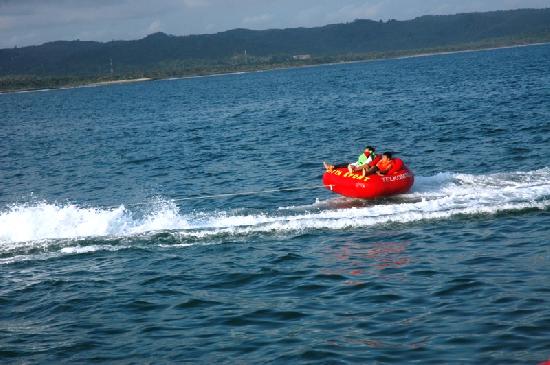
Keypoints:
pixel 27 22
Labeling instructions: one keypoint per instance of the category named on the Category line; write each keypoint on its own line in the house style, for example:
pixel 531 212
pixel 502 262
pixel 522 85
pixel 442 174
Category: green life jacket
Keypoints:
pixel 362 159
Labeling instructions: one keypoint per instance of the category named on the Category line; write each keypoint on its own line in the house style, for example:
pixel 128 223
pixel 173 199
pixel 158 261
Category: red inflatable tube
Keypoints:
pixel 397 181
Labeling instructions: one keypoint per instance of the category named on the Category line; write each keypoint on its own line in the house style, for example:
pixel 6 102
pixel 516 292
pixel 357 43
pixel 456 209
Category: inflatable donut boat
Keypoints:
pixel 397 181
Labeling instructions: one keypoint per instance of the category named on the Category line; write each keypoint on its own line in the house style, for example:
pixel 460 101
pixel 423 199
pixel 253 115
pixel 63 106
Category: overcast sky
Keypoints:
pixel 30 22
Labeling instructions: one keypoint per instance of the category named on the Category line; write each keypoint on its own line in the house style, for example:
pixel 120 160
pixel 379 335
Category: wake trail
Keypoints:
pixel 23 227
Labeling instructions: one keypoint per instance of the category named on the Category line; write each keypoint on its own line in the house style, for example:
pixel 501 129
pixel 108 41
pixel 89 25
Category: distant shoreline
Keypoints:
pixel 475 50
pixel 272 68
pixel 125 81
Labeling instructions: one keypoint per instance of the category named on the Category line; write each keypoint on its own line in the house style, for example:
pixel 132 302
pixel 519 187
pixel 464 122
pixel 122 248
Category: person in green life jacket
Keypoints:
pixel 363 161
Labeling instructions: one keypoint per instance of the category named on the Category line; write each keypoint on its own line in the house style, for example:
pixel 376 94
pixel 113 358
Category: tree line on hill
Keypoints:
pixel 65 63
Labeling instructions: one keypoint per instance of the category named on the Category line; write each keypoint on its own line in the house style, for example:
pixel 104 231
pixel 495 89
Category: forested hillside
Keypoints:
pixel 161 55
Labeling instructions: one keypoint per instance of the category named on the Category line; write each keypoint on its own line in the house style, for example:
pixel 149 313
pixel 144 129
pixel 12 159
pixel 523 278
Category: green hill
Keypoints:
pixel 161 55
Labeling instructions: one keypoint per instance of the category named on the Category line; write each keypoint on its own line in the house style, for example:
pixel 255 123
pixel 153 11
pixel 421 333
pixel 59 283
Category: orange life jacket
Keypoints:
pixel 375 161
pixel 384 166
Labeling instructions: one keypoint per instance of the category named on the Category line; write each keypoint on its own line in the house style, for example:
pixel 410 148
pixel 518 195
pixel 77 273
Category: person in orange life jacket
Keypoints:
pixel 382 167
pixel 367 158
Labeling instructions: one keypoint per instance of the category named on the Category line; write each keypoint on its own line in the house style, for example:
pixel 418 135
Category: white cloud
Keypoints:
pixel 359 11
pixel 210 27
pixel 257 20
pixel 154 27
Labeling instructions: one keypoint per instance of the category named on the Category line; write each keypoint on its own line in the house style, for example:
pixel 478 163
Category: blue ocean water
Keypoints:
pixel 147 222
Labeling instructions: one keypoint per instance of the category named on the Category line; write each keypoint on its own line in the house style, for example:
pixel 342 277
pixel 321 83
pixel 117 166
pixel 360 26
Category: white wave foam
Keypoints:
pixel 52 221
pixel 91 248
pixel 436 197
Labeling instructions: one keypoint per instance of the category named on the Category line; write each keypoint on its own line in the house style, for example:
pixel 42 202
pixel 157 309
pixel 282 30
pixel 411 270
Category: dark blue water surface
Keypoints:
pixel 144 222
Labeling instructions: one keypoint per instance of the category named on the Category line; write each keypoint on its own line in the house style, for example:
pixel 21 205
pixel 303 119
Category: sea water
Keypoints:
pixel 184 221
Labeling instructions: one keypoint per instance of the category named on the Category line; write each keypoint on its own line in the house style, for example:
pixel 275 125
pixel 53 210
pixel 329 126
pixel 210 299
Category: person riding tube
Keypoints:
pixel 367 158
pixel 382 167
